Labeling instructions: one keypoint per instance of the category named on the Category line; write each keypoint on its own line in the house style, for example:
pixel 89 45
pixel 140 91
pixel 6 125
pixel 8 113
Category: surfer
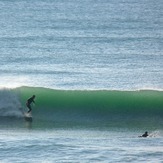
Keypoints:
pixel 144 135
pixel 29 102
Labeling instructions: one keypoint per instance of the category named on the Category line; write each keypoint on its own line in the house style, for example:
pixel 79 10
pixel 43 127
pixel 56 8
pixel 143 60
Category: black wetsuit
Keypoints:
pixel 29 101
pixel 145 134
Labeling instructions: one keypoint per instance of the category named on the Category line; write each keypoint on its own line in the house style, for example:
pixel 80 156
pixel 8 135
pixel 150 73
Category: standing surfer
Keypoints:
pixel 29 102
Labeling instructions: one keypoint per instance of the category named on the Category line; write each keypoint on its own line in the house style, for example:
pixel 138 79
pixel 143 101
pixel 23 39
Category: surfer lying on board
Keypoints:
pixel 145 134
pixel 29 102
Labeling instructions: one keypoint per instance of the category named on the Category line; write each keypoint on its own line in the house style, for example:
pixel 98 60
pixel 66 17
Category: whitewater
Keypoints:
pixel 96 70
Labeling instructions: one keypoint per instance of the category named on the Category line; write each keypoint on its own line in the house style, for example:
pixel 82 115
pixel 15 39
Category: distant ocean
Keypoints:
pixel 96 68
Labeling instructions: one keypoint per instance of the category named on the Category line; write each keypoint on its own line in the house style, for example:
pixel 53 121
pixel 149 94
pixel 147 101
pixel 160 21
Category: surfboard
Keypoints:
pixel 28 117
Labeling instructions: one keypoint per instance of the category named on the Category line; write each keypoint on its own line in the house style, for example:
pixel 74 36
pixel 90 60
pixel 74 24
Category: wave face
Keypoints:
pixel 96 107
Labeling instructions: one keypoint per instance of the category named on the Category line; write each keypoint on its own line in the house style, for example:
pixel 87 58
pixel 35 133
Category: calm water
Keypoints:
pixel 87 44
pixel 81 45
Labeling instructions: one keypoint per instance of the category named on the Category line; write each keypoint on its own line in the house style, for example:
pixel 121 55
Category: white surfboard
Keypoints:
pixel 28 117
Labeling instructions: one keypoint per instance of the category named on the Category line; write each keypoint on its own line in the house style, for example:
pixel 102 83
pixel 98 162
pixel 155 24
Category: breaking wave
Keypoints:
pixel 97 107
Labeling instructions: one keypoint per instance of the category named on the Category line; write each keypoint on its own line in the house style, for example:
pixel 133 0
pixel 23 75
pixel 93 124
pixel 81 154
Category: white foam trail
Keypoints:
pixel 155 134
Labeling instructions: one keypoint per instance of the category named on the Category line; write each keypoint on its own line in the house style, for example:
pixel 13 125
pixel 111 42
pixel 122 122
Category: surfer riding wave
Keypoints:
pixel 29 102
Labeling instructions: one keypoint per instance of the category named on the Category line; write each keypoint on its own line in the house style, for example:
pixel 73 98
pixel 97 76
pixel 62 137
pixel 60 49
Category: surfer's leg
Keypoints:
pixel 29 107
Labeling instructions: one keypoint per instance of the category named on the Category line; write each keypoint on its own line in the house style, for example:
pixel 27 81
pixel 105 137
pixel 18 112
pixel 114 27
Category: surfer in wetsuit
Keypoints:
pixel 145 134
pixel 29 102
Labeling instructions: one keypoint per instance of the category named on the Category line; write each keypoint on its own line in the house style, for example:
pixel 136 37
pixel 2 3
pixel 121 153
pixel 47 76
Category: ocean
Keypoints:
pixel 96 69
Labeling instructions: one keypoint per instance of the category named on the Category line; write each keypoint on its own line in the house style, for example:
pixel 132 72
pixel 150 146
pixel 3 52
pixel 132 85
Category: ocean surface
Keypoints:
pixel 96 69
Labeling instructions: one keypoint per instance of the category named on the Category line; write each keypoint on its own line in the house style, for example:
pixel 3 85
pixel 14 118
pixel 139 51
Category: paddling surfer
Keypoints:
pixel 144 135
pixel 29 102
